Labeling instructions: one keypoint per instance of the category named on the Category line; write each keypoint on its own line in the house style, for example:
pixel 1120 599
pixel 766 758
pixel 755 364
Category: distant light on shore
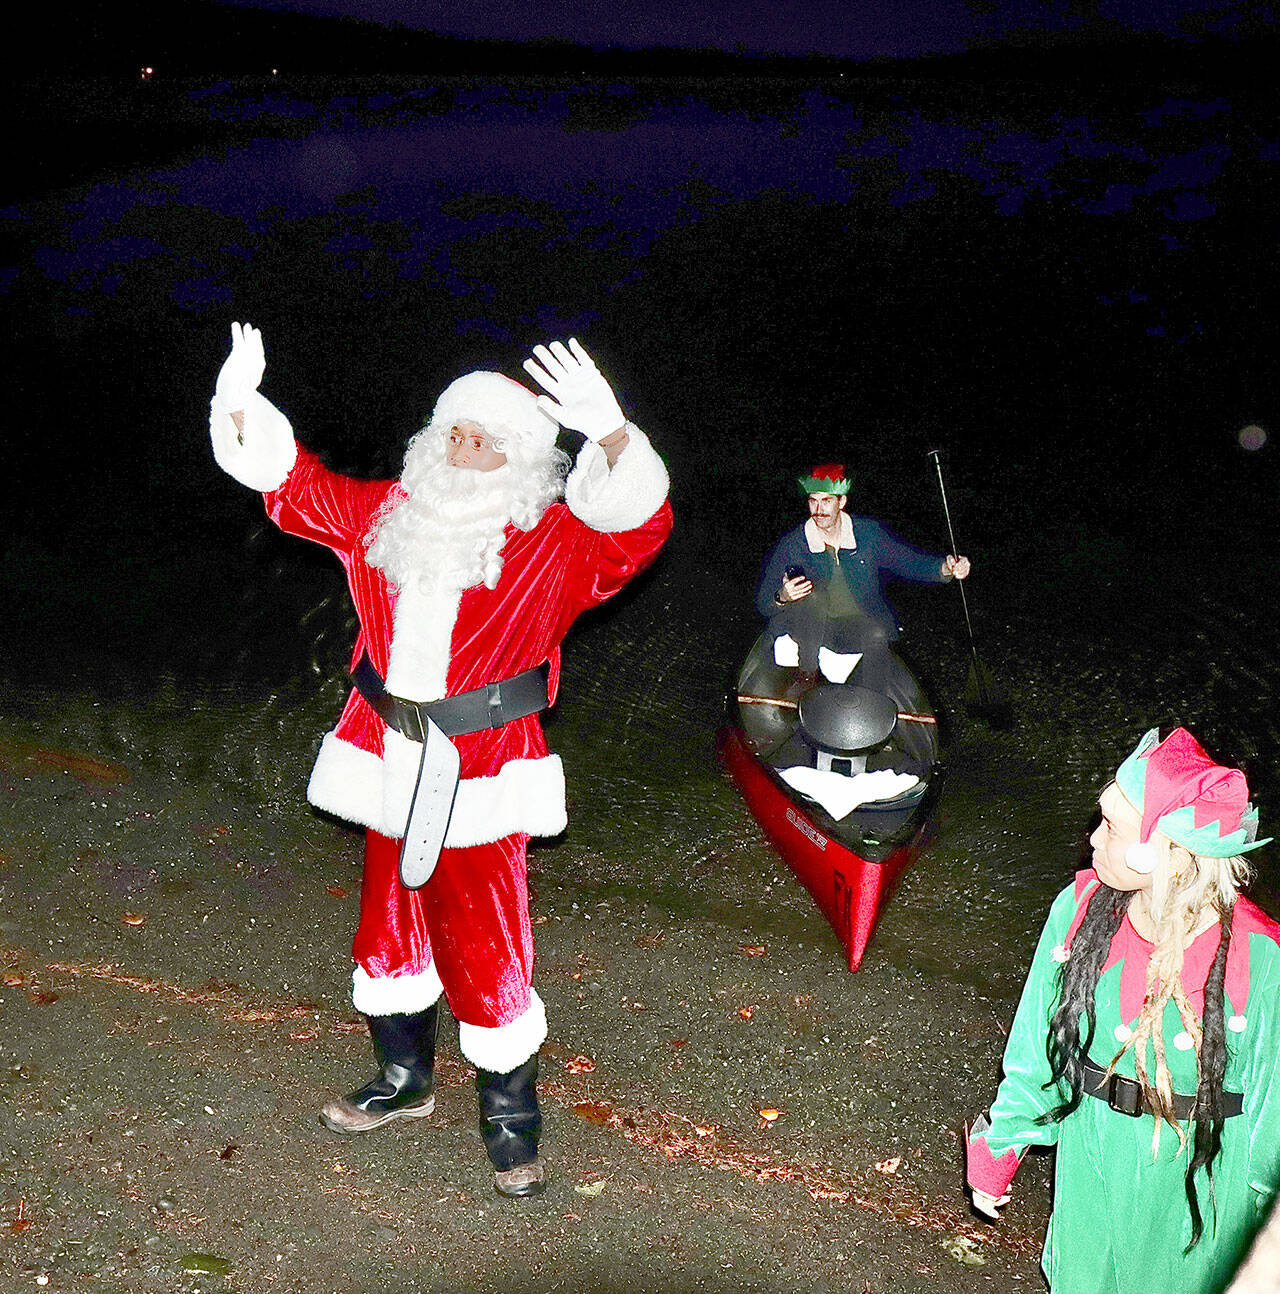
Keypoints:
pixel 1251 437
pixel 148 73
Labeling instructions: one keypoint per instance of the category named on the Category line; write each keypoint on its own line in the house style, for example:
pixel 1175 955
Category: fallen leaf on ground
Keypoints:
pixel 590 1188
pixel 596 1112
pixel 580 1065
pixel 337 891
pixel 889 1166
pixel 209 1263
pixel 133 919
pixel 769 1116
pixel 964 1250
pixel 754 950
pixel 746 1012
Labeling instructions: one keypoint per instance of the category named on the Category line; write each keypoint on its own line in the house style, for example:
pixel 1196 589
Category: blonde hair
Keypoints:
pixel 1185 887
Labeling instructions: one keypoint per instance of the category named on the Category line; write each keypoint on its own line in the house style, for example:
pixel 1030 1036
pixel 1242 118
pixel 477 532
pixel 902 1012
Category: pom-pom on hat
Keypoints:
pixel 505 409
pixel 826 478
pixel 1200 805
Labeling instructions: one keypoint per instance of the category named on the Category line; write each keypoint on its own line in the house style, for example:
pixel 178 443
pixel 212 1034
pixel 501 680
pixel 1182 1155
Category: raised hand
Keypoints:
pixel 242 371
pixel 578 396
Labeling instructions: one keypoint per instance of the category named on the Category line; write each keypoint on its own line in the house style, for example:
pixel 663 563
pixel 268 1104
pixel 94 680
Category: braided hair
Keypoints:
pixel 1214 880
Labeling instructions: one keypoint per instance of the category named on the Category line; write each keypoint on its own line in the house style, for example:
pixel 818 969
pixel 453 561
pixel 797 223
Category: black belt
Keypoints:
pixel 1125 1096
pixel 484 707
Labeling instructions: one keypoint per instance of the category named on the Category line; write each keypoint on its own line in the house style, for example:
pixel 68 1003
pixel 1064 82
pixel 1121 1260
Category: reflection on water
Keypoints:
pixel 1059 297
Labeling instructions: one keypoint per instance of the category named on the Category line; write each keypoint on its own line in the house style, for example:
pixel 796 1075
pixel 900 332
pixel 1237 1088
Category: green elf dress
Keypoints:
pixel 1121 1221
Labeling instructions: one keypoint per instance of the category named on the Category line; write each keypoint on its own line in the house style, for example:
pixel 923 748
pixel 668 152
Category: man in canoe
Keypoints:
pixel 822 586
pixel 466 574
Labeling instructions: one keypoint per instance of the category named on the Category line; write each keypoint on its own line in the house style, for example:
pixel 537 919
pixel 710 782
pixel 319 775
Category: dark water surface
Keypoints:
pixel 1073 297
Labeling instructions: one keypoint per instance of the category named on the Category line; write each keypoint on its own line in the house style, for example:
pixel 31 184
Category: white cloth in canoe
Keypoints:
pixel 835 666
pixel 840 795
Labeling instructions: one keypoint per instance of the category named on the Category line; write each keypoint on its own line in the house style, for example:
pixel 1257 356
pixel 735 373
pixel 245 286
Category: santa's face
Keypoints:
pixel 825 510
pixel 469 446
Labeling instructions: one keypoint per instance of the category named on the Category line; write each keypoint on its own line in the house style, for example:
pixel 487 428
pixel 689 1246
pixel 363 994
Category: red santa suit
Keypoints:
pixel 467 931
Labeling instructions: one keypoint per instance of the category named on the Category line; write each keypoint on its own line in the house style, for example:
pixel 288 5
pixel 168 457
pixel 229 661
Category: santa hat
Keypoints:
pixel 826 478
pixel 505 409
pixel 1180 791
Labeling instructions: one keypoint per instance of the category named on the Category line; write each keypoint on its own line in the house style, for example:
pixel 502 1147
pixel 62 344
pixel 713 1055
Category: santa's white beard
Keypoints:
pixel 446 536
pixel 448 533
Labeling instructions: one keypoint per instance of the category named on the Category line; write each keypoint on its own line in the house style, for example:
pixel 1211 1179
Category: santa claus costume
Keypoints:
pixel 465 582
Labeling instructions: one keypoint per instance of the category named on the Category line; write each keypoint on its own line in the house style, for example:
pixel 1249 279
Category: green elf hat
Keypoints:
pixel 1198 804
pixel 826 478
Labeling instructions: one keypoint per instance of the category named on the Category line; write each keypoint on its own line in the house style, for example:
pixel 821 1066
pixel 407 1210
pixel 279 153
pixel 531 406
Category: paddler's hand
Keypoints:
pixel 797 587
pixel 578 396
pixel 956 568
pixel 988 1205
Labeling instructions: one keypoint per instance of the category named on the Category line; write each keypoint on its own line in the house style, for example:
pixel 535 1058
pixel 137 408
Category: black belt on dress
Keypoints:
pixel 484 707
pixel 1124 1095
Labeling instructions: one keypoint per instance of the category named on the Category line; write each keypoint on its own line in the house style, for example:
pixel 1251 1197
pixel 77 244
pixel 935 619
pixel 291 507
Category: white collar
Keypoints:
pixel 817 541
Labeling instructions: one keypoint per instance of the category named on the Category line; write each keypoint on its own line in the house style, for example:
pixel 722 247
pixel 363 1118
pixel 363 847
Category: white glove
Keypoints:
pixel 577 395
pixel 252 439
pixel 240 375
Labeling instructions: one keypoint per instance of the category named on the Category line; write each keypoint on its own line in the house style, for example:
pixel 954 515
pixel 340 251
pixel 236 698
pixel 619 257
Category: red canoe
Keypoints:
pixel 850 866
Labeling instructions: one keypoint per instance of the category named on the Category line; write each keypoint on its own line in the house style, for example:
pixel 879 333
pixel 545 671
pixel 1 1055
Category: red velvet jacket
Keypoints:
pixel 550 575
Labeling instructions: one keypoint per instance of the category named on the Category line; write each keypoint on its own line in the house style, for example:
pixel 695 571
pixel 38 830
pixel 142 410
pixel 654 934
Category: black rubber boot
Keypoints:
pixel 405 1046
pixel 510 1123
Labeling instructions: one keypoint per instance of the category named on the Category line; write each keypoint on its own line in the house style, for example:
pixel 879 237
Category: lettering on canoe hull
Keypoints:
pixel 805 829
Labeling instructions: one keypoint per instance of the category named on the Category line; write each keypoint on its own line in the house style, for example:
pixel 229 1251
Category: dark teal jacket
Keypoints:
pixel 881 555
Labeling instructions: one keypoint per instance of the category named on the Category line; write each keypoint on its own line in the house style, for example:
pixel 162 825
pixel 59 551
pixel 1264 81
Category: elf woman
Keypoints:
pixel 1146 1046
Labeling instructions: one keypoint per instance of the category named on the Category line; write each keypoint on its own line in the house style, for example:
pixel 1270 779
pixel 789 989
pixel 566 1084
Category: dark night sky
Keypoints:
pixel 839 28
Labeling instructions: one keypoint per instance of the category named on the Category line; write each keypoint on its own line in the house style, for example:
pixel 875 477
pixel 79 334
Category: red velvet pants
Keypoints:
pixel 471 918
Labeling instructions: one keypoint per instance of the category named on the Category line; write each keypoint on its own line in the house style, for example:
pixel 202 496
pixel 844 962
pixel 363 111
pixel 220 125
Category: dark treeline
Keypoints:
pixel 201 37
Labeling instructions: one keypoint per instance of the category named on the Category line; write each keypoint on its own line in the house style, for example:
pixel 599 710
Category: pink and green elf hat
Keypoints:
pixel 826 478
pixel 1198 804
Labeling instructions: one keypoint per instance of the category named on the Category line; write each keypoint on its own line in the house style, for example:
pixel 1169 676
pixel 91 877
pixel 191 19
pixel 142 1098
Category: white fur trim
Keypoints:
pixel 526 795
pixel 421 641
pixel 264 456
pixel 622 498
pixel 501 1050
pixel 347 782
pixel 395 994
pixel 501 406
